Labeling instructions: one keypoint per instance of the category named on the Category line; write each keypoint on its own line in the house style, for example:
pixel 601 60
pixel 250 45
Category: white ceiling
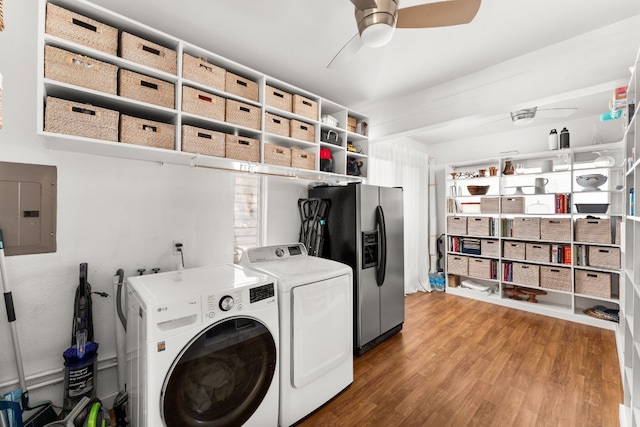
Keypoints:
pixel 432 84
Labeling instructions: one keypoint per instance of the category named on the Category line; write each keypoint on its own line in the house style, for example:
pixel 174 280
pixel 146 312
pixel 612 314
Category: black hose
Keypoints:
pixel 121 316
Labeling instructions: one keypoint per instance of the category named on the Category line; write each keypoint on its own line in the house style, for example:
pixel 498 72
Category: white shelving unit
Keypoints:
pixel 628 339
pixel 352 146
pixel 539 197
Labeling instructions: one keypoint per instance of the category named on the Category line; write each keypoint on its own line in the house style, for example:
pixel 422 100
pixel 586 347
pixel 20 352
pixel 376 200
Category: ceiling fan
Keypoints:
pixel 377 20
pixel 526 115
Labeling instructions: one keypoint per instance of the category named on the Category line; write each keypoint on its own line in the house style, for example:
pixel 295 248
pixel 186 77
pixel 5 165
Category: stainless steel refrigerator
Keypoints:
pixel 364 229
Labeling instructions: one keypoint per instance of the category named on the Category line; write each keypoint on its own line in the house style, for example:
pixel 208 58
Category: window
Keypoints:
pixel 246 214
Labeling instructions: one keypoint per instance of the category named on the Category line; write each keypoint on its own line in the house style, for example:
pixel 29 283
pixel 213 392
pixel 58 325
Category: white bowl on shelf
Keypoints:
pixel 591 182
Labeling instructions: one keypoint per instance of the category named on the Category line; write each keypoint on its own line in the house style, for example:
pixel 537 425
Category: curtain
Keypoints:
pixel 392 164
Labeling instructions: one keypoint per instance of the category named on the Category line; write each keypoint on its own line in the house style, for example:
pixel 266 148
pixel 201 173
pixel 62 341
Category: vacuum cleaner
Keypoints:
pixel 81 359
pixel 86 413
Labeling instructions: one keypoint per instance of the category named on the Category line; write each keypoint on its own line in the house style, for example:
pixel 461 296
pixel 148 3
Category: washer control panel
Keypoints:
pixel 214 304
pixel 271 253
pixel 234 301
pixel 260 293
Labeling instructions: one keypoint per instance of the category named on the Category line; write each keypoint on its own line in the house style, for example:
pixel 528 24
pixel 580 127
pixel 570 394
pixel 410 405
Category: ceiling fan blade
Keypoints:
pixel 364 4
pixel 440 14
pixel 347 52
pixel 555 112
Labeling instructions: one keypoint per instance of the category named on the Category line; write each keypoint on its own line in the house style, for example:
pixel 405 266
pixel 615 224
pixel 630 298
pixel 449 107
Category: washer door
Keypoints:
pixel 221 377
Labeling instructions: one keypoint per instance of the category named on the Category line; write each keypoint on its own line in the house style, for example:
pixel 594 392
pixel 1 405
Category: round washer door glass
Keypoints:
pixel 221 377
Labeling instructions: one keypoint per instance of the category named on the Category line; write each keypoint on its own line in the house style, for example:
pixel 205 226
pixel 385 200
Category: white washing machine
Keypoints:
pixel 316 326
pixel 202 348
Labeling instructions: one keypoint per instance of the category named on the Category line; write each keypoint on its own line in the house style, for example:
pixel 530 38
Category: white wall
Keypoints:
pixel 112 213
pixel 283 216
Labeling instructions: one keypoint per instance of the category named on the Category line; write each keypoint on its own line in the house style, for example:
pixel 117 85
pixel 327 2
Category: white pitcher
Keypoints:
pixel 540 185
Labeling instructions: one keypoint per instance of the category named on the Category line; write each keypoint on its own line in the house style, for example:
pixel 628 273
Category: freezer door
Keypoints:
pixel 368 321
pixel 392 289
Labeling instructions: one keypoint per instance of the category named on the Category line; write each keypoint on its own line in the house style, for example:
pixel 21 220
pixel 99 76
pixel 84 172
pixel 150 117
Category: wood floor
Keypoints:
pixel 461 362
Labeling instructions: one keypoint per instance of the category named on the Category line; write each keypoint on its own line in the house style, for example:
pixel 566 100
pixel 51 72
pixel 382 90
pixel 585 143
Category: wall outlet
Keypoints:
pixel 177 243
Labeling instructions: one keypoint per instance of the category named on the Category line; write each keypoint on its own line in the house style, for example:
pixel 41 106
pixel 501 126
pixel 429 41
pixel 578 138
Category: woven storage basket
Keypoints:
pixel 512 204
pixel 134 130
pixel 303 131
pixel 489 247
pixel 457 264
pixel 556 278
pixel 277 155
pixel 74 118
pixel 478 226
pixel 302 159
pixel 243 114
pixel 526 274
pixel 200 71
pixel 514 250
pixel 555 229
pixel 278 98
pixel 147 53
pixel 539 252
pixel 241 148
pixel 276 124
pixel 241 86
pixel 593 283
pixel 526 228
pixel 305 107
pixel 203 141
pixel 489 204
pixel 201 103
pixel 146 89
pixel 1 27
pixel 605 257
pixel 79 70
pixel 590 230
pixel 80 29
pixel 480 268
pixel 456 225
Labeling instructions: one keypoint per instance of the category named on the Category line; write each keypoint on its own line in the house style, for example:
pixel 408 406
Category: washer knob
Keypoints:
pixel 226 303
pixel 279 252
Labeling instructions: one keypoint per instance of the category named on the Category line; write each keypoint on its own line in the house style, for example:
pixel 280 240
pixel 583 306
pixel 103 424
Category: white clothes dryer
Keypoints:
pixel 316 326
pixel 202 348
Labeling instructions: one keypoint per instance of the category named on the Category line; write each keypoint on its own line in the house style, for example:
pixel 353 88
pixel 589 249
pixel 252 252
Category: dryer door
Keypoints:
pixel 321 328
pixel 221 377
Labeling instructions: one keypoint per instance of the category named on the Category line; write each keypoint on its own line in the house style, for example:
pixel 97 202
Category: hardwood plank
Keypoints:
pixel 461 362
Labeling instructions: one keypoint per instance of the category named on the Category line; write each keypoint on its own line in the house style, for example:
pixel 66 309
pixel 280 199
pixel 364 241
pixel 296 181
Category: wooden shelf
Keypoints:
pixel 565 304
pixel 49 87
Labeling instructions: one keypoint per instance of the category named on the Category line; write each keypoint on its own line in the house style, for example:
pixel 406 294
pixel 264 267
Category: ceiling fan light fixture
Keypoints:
pixel 377 35
pixel 376 25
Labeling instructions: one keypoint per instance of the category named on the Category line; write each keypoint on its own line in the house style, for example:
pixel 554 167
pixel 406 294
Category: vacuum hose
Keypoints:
pixel 121 316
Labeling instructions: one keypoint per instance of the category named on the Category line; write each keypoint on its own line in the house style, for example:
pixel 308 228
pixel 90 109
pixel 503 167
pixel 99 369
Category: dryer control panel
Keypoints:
pixel 272 253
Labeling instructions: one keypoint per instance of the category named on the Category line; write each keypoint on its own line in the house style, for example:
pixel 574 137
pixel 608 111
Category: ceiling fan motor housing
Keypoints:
pixel 523 116
pixel 386 14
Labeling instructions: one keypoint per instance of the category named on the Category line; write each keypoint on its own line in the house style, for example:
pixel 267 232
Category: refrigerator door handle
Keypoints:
pixel 382 248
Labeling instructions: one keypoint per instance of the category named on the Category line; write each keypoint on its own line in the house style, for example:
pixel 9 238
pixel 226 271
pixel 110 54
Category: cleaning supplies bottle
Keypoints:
pixel 553 139
pixel 564 138
pixel 632 200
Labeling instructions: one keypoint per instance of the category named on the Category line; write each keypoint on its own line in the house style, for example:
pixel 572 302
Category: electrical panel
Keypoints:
pixel 28 208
